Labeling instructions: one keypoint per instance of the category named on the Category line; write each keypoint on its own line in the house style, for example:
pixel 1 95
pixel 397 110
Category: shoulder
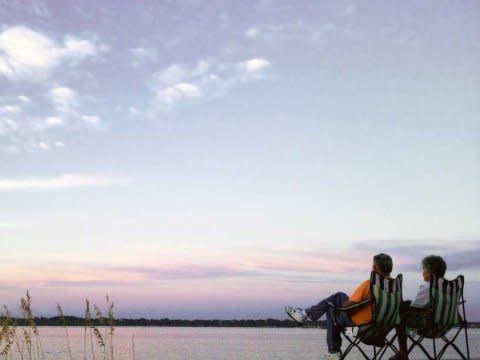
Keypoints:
pixel 424 287
pixel 364 284
pixel 423 290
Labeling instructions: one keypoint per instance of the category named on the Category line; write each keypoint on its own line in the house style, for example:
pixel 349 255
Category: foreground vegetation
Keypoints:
pixel 20 339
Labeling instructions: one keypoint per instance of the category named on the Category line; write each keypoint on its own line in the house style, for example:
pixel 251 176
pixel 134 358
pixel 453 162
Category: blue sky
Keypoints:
pixel 220 159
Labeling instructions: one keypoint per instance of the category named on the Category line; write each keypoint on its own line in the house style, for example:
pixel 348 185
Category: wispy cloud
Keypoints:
pixel 29 55
pixel 10 110
pixel 256 65
pixel 64 98
pixel 28 132
pixel 178 92
pixel 186 271
pixel 276 35
pixel 92 120
pixel 173 74
pixel 60 182
pixel 143 55
pixel 90 283
pixel 179 82
pixel 252 33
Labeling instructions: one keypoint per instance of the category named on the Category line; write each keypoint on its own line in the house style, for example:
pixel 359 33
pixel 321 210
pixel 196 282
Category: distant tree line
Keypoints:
pixel 77 321
pixel 268 323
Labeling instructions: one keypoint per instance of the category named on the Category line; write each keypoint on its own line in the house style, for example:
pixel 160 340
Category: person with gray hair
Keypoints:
pixel 382 264
pixel 413 313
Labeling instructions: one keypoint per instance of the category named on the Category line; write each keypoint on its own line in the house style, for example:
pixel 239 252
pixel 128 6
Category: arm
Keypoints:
pixel 352 306
pixel 423 297
pixel 348 303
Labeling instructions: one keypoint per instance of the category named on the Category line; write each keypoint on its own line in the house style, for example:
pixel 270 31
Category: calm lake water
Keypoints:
pixel 170 343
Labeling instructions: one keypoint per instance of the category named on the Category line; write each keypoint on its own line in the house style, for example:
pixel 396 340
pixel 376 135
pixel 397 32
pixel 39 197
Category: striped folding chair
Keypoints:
pixel 446 302
pixel 386 295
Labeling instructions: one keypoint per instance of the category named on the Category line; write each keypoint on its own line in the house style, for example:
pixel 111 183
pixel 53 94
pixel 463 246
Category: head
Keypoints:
pixel 382 264
pixel 433 265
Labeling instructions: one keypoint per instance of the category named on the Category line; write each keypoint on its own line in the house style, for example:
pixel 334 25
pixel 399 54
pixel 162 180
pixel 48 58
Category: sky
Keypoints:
pixel 221 159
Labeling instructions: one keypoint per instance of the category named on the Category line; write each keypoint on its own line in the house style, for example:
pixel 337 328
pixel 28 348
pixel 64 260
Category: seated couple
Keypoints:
pixel 383 265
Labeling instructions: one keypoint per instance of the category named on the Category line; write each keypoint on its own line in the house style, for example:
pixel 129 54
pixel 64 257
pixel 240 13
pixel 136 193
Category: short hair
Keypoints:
pixel 435 265
pixel 384 263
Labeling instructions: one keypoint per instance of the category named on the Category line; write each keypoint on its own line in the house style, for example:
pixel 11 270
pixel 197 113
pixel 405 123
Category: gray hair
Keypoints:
pixel 384 263
pixel 435 265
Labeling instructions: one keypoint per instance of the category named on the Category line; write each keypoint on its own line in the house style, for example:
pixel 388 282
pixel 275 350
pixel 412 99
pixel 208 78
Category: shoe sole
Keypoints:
pixel 291 317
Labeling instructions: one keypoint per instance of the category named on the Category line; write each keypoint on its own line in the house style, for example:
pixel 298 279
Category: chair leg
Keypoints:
pixel 419 344
pixel 353 343
pixel 466 340
pixel 465 326
pixel 392 346
pixel 451 343
pixel 384 349
pixel 347 351
pixel 460 352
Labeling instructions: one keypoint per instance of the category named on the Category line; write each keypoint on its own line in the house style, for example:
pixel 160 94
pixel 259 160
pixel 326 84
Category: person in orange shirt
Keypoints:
pixel 382 264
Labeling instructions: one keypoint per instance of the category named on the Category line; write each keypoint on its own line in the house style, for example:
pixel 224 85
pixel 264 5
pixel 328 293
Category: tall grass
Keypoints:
pixel 24 342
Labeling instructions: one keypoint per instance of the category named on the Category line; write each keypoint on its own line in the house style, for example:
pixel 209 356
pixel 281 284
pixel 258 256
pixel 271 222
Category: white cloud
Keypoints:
pixel 64 98
pixel 24 99
pixel 257 64
pixel 60 182
pixel 207 78
pixel 143 54
pixel 172 75
pixel 252 33
pixel 42 146
pixel 92 120
pixel 29 55
pixel 8 125
pixel 132 110
pixel 10 109
pixel 53 121
pixel 176 93
pixel 78 48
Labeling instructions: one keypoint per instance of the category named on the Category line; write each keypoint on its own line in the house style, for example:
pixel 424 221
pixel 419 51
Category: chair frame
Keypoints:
pixel 463 325
pixel 379 349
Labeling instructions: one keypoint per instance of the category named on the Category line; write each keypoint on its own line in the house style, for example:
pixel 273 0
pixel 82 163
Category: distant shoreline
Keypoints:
pixel 267 323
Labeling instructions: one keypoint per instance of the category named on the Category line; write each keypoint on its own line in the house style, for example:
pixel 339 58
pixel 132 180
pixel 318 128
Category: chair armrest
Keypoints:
pixel 354 306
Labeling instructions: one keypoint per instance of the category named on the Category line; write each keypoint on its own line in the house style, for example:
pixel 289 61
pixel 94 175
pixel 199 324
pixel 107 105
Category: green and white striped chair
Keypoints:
pixel 446 302
pixel 386 295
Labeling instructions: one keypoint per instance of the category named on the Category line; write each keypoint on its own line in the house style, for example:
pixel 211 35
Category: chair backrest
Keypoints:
pixel 387 296
pixel 445 297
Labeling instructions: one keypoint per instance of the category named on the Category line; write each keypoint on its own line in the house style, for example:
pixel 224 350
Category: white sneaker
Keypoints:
pixel 333 356
pixel 296 314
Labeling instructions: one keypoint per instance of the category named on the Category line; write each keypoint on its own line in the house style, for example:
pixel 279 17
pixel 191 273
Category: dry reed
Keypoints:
pixel 28 345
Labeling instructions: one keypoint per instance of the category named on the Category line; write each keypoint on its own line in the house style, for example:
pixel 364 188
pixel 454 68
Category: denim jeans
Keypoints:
pixel 334 339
